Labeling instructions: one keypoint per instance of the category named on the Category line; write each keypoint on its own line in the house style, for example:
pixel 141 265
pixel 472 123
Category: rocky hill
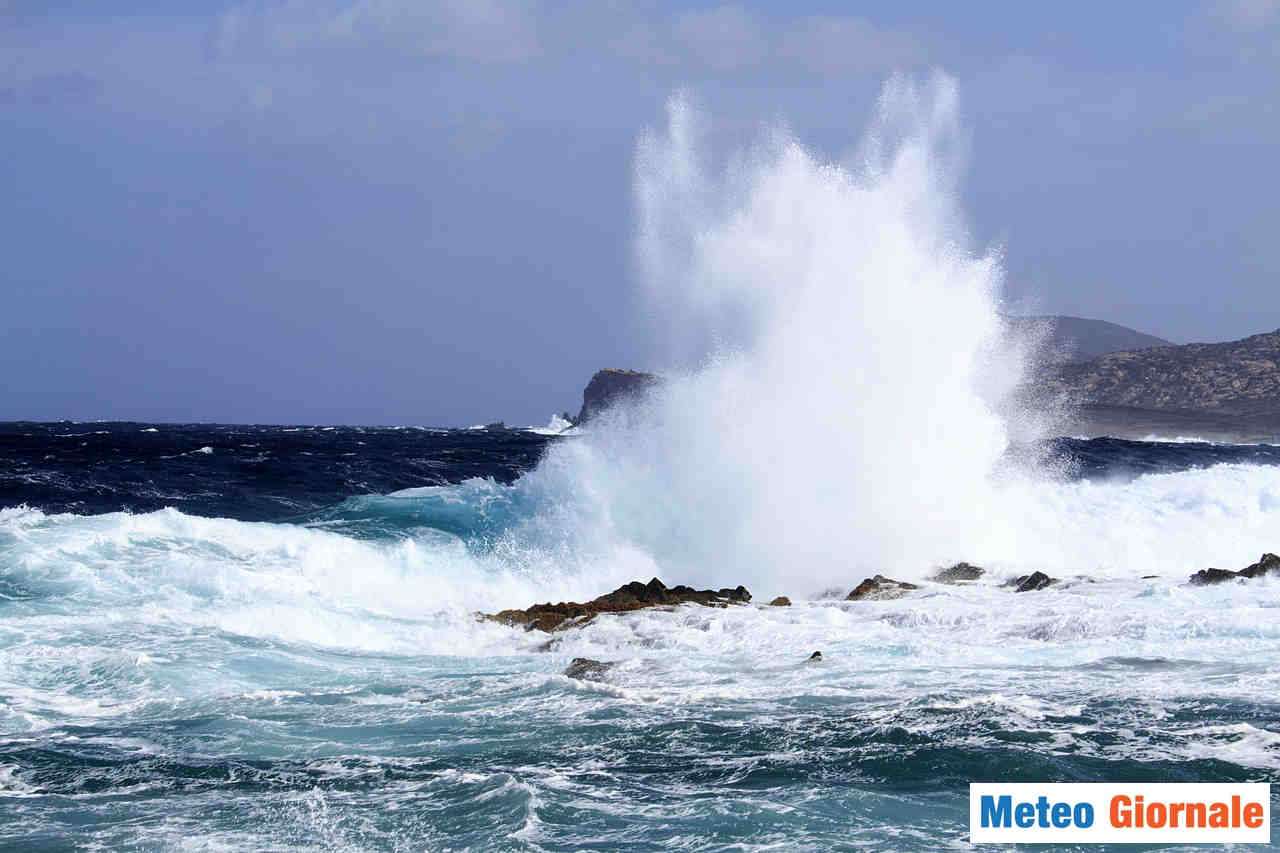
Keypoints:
pixel 1225 391
pixel 1070 339
pixel 1233 378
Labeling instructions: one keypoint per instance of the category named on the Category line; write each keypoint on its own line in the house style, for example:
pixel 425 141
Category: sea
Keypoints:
pixel 267 638
pixel 218 637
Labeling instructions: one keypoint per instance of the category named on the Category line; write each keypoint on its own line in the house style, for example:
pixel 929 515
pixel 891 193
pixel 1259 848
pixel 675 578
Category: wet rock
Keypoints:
pixel 1267 564
pixel 880 588
pixel 588 669
pixel 1205 577
pixel 959 573
pixel 1032 582
pixel 780 601
pixel 633 596
pixel 816 657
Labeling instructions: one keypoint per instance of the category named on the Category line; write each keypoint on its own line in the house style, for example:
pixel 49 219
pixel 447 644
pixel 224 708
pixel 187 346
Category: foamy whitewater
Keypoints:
pixel 258 638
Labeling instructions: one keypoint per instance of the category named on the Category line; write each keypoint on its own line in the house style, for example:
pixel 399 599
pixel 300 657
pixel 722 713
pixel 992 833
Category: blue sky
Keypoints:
pixel 415 211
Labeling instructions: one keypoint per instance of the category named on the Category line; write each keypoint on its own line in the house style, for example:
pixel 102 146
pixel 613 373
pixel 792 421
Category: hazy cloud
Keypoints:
pixel 729 38
pixel 1248 15
pixel 827 43
pixel 723 39
pixel 478 30
pixel 1240 30
pixel 60 88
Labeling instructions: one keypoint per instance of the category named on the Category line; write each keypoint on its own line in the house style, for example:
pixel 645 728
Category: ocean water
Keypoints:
pixel 315 679
pixel 264 638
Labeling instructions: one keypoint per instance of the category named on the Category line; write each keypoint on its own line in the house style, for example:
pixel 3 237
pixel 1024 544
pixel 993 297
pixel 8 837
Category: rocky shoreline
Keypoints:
pixel 633 596
pixel 552 618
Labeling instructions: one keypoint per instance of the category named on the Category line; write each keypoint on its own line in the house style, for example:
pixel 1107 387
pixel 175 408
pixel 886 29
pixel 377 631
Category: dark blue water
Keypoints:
pixel 279 473
pixel 252 473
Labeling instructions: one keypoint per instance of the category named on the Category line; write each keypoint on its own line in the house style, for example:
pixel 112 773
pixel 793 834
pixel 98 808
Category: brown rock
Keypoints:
pixel 880 588
pixel 633 596
pixel 780 601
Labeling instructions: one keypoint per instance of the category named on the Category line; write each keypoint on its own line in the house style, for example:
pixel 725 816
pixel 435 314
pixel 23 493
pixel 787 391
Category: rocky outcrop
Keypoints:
pixel 1233 378
pixel 1205 577
pixel 880 588
pixel 634 596
pixel 589 669
pixel 1269 563
pixel 780 601
pixel 1266 564
pixel 1032 582
pixel 959 573
pixel 612 386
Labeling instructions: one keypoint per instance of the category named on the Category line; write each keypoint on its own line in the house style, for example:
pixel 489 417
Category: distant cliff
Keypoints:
pixel 1069 339
pixel 1234 378
pixel 1226 389
pixel 610 386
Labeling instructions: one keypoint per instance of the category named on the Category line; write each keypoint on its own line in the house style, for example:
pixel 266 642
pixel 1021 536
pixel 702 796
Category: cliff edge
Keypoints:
pixel 611 386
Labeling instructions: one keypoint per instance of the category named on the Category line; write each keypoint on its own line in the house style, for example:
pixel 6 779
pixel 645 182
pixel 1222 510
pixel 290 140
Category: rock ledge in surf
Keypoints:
pixel 1032 582
pixel 1267 564
pixel 880 588
pixel 589 669
pixel 633 596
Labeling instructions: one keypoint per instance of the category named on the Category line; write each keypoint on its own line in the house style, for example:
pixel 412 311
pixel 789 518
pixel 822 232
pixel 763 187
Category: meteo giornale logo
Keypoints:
pixel 1118 813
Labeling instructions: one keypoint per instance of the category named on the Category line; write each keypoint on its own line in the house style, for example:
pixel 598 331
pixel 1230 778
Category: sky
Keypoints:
pixel 421 212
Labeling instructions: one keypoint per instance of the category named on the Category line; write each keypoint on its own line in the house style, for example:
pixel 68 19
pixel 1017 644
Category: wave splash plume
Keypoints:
pixel 842 357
